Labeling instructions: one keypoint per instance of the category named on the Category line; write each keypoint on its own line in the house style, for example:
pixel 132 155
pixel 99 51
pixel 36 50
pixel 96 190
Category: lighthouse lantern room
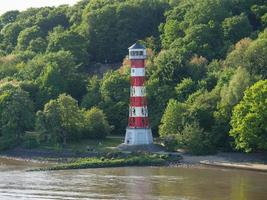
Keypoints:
pixel 138 131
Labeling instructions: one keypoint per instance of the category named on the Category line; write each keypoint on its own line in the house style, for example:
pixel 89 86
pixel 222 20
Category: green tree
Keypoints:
pixel 10 33
pixel 249 119
pixel 16 114
pixel 196 140
pixel 230 95
pixel 55 73
pixel 172 121
pixel 95 124
pixel 184 89
pixel 236 27
pixel 37 45
pixel 92 97
pixel 8 17
pixel 61 120
pixel 27 35
pixel 48 18
pixel 69 41
pixel 111 27
pixel 158 95
pixel 114 90
pixel 256 56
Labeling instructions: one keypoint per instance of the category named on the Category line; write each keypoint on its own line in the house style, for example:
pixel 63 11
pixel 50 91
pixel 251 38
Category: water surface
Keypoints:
pixel 133 183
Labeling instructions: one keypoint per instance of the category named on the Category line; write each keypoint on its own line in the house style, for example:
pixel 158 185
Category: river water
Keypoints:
pixel 132 183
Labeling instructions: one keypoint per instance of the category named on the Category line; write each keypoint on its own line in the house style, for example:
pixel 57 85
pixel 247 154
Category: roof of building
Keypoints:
pixel 137 45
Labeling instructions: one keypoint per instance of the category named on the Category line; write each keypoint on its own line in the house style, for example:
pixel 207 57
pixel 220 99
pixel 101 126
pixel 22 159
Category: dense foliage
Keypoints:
pixel 206 72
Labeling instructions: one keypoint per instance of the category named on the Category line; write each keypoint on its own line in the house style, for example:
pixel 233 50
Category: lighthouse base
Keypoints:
pixel 138 136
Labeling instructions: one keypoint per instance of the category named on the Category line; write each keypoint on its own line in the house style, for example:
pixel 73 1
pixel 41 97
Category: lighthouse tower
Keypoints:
pixel 138 131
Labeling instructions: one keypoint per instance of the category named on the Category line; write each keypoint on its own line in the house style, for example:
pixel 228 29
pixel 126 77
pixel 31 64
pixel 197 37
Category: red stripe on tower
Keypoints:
pixel 138 103
pixel 138 130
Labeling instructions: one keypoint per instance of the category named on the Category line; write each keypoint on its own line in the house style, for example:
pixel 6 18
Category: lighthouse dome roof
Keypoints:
pixel 137 45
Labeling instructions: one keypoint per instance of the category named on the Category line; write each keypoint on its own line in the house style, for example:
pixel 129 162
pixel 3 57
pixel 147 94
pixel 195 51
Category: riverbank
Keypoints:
pixel 66 159
pixel 251 161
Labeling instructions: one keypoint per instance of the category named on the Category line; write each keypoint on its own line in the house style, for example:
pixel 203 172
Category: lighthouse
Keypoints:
pixel 138 131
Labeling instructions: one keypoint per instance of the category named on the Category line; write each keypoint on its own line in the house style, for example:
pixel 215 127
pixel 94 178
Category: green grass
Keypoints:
pixel 101 145
pixel 117 160
pixel 97 145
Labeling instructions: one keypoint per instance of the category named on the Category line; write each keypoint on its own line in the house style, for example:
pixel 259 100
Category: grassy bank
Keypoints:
pixel 85 146
pixel 117 160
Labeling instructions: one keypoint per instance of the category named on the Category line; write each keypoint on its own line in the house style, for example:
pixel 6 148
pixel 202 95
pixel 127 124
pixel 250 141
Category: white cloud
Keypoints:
pixel 6 5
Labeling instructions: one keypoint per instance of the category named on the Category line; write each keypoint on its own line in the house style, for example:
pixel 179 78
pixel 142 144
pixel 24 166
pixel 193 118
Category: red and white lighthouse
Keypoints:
pixel 138 131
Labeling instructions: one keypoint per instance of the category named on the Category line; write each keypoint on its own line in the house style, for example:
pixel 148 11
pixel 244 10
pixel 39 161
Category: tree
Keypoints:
pixel 95 124
pixel 172 121
pixel 203 40
pixel 48 18
pixel 16 114
pixel 10 33
pixel 8 17
pixel 111 27
pixel 249 119
pixel 196 140
pixel 237 58
pixel 69 41
pixel 236 27
pixel 184 89
pixel 61 119
pixel 27 35
pixel 114 90
pixel 256 56
pixel 158 95
pixel 55 73
pixel 92 97
pixel 37 45
pixel 230 95
pixel 8 66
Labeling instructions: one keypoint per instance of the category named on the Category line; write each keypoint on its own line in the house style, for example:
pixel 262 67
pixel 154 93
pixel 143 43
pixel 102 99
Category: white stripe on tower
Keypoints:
pixel 138 91
pixel 138 111
pixel 137 72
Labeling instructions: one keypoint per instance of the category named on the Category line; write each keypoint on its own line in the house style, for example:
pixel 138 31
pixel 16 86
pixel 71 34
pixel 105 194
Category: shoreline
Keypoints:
pixel 242 161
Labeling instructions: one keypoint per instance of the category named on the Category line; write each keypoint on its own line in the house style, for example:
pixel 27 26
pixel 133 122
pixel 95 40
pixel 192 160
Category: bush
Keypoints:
pixel 95 124
pixel 196 140
pixel 170 142
pixel 31 140
pixel 7 143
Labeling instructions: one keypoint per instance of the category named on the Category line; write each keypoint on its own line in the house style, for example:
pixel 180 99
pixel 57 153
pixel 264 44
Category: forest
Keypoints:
pixel 205 73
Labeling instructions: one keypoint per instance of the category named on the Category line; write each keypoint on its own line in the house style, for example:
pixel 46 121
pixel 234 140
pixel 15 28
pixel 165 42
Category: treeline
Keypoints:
pixel 206 72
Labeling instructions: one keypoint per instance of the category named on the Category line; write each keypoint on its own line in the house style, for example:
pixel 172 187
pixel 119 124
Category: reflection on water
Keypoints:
pixel 133 183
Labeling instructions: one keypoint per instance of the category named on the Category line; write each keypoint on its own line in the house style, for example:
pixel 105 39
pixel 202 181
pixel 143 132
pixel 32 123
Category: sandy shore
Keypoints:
pixel 254 161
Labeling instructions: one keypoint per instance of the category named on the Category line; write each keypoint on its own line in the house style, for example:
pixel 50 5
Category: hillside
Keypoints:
pixel 206 72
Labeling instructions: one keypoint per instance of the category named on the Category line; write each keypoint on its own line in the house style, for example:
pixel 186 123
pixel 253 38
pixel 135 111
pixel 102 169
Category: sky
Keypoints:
pixel 7 5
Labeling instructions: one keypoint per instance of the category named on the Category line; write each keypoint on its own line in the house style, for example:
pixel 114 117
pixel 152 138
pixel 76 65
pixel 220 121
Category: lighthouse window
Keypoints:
pixel 136 53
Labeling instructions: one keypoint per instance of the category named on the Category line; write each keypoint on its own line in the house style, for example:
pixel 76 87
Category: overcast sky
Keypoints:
pixel 6 5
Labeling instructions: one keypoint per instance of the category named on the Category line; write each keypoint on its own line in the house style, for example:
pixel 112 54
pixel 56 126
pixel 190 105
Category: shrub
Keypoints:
pixel 31 140
pixel 196 140
pixel 170 142
pixel 95 124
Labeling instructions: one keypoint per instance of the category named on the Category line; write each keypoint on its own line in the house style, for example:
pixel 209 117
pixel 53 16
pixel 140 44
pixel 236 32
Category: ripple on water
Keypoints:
pixel 132 183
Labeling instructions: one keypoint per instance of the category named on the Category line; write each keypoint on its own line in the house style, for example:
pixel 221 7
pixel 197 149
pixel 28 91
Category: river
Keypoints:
pixel 132 183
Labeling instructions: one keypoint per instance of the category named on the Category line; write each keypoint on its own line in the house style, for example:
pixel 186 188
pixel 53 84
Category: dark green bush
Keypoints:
pixel 31 140
pixel 196 140
pixel 170 142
